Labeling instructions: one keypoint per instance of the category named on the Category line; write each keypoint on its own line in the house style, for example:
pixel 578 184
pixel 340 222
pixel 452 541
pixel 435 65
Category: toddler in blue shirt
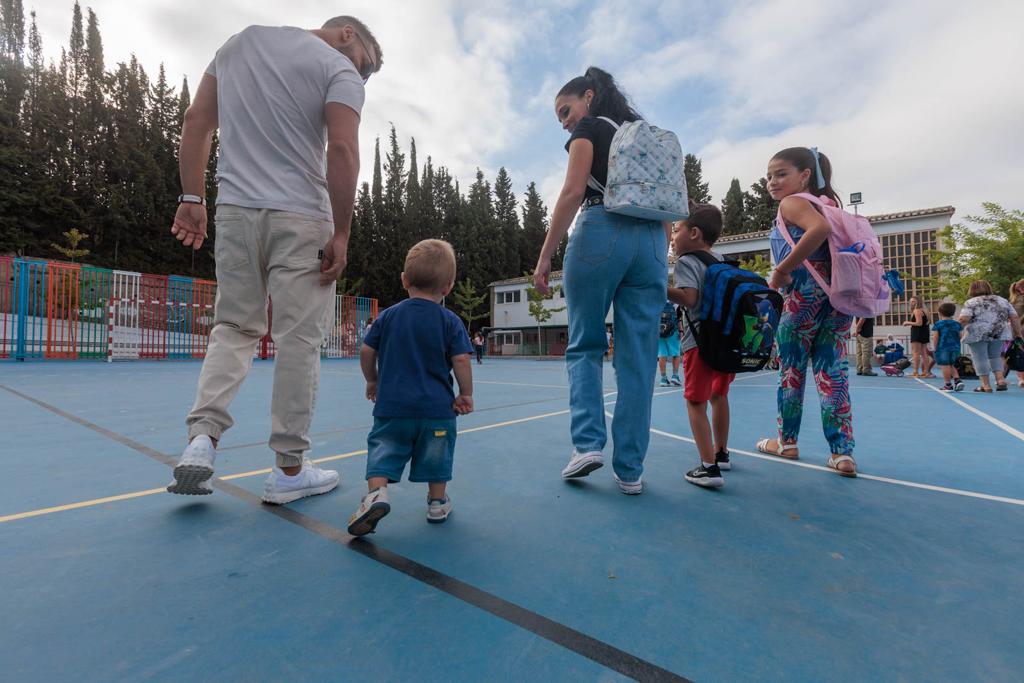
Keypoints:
pixel 408 358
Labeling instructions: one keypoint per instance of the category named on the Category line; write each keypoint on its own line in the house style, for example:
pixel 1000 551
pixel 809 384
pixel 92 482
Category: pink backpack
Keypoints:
pixel 857 286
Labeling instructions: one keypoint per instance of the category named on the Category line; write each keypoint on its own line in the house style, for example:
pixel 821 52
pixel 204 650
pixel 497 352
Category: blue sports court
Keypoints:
pixel 913 571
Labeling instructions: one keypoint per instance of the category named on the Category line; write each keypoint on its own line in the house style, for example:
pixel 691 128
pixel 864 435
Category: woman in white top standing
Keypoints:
pixel 988 320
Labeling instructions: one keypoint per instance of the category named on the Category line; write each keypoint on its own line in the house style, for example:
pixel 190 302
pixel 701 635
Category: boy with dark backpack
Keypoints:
pixel 691 241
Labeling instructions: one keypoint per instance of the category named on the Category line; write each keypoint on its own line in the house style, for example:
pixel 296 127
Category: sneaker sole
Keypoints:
pixel 583 470
pixel 439 520
pixel 705 483
pixel 632 491
pixel 368 522
pixel 187 480
pixel 282 498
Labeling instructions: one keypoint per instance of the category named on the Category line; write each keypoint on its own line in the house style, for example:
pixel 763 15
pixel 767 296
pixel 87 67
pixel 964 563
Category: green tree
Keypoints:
pixel 467 302
pixel 72 252
pixel 758 207
pixel 535 229
pixel 696 188
pixel 993 251
pixel 539 311
pixel 508 231
pixel 732 210
pixel 759 264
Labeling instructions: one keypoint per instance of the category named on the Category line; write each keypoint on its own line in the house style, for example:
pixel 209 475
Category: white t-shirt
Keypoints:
pixel 272 85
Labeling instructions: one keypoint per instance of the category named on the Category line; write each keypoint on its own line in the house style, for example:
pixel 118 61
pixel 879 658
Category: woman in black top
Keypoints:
pixel 919 330
pixel 611 259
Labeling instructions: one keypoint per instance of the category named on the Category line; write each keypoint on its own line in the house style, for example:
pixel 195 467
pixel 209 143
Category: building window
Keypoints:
pixel 508 297
pixel 908 253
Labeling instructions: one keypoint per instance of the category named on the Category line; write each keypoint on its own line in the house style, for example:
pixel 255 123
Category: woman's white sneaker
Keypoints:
pixel 582 464
pixel 630 488
pixel 311 481
pixel 194 469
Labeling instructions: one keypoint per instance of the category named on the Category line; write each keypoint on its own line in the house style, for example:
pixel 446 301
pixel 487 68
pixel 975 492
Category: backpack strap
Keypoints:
pixel 780 223
pixel 592 181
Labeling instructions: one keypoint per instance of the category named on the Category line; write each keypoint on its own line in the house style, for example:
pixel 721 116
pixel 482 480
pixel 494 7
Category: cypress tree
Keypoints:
pixel 732 209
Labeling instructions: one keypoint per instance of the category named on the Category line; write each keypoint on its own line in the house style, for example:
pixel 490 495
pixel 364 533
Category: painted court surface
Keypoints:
pixel 790 572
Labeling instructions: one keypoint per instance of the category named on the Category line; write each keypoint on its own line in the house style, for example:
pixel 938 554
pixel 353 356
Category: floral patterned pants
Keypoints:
pixel 811 330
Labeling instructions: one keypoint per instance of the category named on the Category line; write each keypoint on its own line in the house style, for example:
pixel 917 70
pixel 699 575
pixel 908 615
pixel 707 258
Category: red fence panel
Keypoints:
pixel 153 316
pixel 204 293
pixel 62 291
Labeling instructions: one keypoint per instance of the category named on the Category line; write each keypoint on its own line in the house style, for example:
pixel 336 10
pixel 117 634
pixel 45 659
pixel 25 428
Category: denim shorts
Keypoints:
pixel 429 443
pixel 946 356
pixel 668 347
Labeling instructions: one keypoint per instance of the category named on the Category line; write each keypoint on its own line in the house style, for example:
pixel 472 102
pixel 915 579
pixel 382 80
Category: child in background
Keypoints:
pixel 946 340
pixel 668 345
pixel 408 358
pixel 702 384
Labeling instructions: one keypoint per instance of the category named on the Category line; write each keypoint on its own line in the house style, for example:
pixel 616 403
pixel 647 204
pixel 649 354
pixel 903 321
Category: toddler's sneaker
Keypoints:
pixel 438 510
pixel 372 508
pixel 676 382
pixel 708 476
pixel 195 468
pixel 582 464
pixel 946 387
pixel 279 488
pixel 722 459
pixel 958 385
pixel 664 382
pixel 630 488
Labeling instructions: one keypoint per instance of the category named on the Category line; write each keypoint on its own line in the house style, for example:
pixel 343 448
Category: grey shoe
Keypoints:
pixel 194 470
pixel 582 464
pixel 438 510
pixel 372 508
pixel 310 481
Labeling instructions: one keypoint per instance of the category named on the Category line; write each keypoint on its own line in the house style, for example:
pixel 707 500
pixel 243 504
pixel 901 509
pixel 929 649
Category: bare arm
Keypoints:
pixel 684 296
pixel 463 370
pixel 1015 325
pixel 342 178
pixel 797 211
pixel 193 154
pixel 581 157
pixel 368 364
pixel 935 340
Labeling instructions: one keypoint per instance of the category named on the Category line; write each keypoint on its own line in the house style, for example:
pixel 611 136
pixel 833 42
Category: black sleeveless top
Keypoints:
pixel 919 333
pixel 600 134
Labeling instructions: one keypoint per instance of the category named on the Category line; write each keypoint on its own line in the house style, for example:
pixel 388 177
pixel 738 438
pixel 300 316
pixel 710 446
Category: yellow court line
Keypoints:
pixel 83 504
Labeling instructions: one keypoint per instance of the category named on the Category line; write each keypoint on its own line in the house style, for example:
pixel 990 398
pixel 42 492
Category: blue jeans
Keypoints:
pixel 614 259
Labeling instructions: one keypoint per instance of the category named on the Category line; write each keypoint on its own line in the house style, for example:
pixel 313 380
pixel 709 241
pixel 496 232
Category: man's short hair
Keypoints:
pixel 708 219
pixel 430 266
pixel 362 30
pixel 947 309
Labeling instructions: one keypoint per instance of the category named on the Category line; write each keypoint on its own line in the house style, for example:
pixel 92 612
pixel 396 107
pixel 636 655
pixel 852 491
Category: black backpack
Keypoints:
pixel 738 316
pixel 1015 355
pixel 965 367
pixel 668 325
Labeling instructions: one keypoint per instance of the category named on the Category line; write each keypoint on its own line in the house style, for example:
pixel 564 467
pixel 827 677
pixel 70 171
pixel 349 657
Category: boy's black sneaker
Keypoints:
pixel 958 385
pixel 722 460
pixel 708 476
pixel 946 387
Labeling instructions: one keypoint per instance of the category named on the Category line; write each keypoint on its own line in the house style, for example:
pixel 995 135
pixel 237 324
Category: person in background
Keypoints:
pixel 1017 301
pixel 946 339
pixel 478 347
pixel 918 323
pixel 865 329
pixel 990 321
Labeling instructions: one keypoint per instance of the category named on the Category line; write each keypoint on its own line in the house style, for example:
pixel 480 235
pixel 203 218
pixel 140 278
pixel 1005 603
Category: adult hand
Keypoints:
pixel 779 279
pixel 371 391
pixel 189 226
pixel 463 405
pixel 335 258
pixel 541 274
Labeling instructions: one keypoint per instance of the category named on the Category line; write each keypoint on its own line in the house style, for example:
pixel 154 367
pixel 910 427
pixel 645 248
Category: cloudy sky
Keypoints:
pixel 917 102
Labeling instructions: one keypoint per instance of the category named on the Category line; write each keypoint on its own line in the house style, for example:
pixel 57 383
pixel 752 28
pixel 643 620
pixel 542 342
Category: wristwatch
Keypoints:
pixel 191 199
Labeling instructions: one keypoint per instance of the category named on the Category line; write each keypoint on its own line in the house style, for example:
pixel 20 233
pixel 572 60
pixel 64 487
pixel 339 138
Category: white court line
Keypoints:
pixel 985 416
pixel 871 477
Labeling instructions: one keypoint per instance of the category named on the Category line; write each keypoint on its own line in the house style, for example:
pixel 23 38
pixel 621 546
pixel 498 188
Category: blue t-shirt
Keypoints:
pixel 949 335
pixel 415 341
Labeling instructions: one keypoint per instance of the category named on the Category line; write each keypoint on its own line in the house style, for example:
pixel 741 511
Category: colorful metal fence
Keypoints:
pixel 67 310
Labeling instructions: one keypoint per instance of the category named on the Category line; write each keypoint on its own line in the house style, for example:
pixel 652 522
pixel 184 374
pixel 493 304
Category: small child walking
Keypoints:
pixel 702 384
pixel 946 340
pixel 407 359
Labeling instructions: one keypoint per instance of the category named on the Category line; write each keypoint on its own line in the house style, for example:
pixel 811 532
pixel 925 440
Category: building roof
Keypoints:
pixel 555 275
pixel 878 218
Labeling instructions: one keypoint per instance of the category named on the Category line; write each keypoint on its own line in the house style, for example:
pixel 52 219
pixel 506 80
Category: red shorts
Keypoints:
pixel 701 381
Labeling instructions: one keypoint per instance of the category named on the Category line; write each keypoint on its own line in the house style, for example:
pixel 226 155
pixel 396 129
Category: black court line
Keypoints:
pixel 599 651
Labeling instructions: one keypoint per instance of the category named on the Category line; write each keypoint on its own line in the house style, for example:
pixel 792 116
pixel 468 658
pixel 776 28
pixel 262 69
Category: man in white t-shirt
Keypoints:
pixel 286 102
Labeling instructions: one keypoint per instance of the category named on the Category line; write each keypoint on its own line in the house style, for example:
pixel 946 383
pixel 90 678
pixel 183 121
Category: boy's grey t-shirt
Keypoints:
pixel 689 273
pixel 272 85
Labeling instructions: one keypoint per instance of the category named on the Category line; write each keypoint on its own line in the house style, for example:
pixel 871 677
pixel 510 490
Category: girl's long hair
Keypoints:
pixel 609 100
pixel 803 159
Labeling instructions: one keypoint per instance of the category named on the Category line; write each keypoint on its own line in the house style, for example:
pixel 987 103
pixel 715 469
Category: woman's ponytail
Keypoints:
pixel 609 100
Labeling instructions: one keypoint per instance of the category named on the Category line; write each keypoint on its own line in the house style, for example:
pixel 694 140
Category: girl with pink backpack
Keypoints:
pixel 828 267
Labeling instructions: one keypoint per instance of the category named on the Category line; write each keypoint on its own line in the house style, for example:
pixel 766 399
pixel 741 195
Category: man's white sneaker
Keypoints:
pixel 311 481
pixel 372 508
pixel 195 468
pixel 438 510
pixel 630 488
pixel 582 464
